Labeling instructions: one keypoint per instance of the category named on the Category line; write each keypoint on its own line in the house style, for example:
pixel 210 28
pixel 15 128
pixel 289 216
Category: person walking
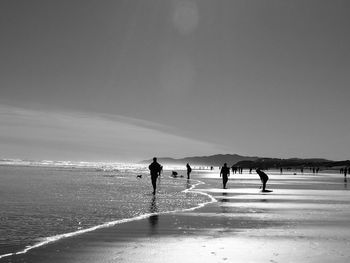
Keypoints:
pixel 155 169
pixel 189 170
pixel 225 173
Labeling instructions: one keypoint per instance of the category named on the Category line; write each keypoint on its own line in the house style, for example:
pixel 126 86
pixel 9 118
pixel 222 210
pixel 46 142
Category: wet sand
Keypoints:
pixel 304 219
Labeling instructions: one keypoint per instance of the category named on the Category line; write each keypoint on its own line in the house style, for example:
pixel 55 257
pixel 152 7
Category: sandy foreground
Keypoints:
pixel 244 225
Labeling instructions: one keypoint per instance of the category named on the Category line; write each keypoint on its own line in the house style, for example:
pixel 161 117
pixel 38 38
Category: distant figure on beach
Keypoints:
pixel 155 169
pixel 189 170
pixel 225 173
pixel 263 177
pixel 345 171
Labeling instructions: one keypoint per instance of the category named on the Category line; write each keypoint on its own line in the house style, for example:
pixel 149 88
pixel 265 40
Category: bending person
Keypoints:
pixel 263 177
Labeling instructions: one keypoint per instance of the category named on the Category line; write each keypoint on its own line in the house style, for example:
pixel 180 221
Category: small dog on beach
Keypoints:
pixel 139 176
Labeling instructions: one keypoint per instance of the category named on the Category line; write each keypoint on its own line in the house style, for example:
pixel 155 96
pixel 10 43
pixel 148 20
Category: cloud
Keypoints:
pixel 62 135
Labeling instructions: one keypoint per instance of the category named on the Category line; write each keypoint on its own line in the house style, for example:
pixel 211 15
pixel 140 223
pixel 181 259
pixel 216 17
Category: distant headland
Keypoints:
pixel 250 161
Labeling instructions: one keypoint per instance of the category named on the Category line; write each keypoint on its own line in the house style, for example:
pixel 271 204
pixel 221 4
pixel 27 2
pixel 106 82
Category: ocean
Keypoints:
pixel 41 202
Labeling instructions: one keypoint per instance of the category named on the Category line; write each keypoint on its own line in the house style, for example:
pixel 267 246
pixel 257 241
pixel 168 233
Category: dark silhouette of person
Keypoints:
pixel 263 177
pixel 189 170
pixel 345 171
pixel 225 173
pixel 155 169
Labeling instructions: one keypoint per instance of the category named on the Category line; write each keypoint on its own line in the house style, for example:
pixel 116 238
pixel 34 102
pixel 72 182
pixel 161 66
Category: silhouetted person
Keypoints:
pixel 281 170
pixel 189 170
pixel 345 171
pixel 263 177
pixel 155 169
pixel 225 173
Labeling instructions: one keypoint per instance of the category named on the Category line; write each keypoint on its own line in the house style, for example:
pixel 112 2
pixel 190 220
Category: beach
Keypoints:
pixel 303 219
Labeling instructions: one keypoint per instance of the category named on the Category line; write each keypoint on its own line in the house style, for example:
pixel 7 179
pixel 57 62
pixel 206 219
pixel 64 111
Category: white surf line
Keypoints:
pixel 212 199
pixel 52 239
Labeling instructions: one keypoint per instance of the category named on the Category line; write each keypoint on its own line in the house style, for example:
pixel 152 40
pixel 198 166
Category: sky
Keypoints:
pixel 114 80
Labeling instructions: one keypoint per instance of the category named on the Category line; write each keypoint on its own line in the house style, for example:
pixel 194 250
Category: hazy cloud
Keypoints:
pixel 78 136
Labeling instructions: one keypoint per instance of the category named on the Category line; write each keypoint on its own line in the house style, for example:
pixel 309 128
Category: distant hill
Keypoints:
pixel 249 161
pixel 289 163
pixel 213 160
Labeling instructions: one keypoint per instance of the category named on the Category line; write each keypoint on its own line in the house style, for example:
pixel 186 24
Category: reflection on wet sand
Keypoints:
pixel 188 184
pixel 153 219
pixel 224 199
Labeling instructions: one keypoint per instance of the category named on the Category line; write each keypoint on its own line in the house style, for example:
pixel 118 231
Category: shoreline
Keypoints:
pixel 56 238
pixel 291 224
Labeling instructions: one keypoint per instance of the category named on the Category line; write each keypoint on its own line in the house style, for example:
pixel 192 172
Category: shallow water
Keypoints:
pixel 303 219
pixel 320 198
pixel 41 202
